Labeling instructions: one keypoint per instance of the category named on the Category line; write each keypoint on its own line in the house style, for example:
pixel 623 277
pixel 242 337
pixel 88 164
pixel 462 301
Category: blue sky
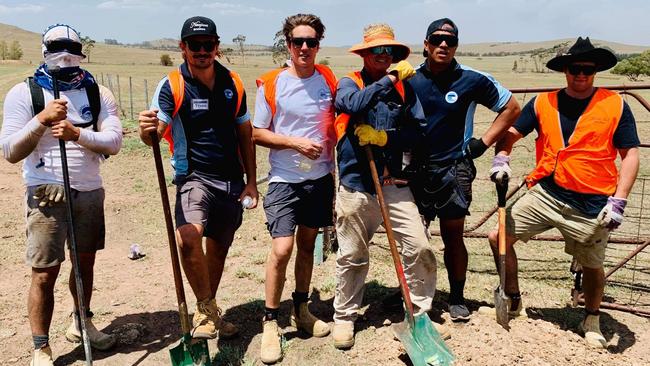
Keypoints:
pixel 131 21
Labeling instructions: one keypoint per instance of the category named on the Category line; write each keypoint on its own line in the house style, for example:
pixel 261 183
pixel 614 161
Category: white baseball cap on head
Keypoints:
pixel 62 38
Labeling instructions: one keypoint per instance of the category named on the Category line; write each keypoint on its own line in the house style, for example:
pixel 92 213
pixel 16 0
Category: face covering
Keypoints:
pixel 62 60
pixel 70 76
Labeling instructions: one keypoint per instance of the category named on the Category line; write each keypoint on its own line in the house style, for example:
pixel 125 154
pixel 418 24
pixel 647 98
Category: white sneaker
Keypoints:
pixel 98 340
pixel 591 329
pixel 42 357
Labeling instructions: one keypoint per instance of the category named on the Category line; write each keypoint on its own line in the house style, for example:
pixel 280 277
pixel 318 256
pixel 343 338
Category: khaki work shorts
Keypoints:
pixel 537 211
pixel 47 227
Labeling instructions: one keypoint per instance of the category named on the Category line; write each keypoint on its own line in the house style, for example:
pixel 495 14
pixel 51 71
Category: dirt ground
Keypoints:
pixel 136 301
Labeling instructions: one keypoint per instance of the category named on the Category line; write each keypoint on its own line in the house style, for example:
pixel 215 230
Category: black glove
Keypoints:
pixel 476 147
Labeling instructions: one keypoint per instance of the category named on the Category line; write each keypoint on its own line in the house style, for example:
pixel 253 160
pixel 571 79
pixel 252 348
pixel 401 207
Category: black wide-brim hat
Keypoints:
pixel 583 50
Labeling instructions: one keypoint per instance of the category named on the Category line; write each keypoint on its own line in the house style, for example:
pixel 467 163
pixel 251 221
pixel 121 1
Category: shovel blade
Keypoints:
pixel 423 343
pixel 501 307
pixel 190 352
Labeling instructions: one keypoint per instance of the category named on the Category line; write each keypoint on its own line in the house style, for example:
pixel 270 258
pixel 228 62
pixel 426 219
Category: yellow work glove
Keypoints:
pixel 402 70
pixel 368 135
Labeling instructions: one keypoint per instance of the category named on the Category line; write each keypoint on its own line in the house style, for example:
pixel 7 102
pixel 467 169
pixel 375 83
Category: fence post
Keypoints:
pixel 103 78
pixel 119 95
pixel 110 83
pixel 146 95
pixel 131 96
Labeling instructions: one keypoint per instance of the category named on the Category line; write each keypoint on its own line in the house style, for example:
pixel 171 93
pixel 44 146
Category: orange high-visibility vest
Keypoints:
pixel 587 164
pixel 342 120
pixel 177 85
pixel 269 79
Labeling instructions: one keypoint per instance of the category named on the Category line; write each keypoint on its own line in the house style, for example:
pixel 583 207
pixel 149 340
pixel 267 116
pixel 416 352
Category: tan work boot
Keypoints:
pixel 343 335
pixel 591 329
pixel 519 312
pixel 271 349
pixel 206 320
pixel 443 330
pixel 308 322
pixel 98 340
pixel 42 357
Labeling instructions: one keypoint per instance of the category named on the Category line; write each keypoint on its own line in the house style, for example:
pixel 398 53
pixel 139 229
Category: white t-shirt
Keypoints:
pixel 24 137
pixel 304 107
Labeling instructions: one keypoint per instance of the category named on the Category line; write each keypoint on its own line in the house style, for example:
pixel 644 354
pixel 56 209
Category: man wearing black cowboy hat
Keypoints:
pixel 576 186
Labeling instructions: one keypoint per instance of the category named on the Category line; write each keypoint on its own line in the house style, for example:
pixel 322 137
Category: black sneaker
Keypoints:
pixel 459 313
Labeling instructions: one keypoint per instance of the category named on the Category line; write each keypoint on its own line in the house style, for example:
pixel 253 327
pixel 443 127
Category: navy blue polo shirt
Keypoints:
pixel 449 100
pixel 204 130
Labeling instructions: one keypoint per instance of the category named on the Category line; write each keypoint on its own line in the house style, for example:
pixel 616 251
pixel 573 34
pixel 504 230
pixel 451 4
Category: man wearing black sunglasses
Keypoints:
pixel 576 186
pixel 449 93
pixel 200 109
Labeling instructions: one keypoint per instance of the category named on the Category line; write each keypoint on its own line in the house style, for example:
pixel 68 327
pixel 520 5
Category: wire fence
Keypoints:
pixel 132 94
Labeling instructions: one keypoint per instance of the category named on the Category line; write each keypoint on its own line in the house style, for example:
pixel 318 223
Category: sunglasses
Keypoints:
pixel 61 46
pixel 586 70
pixel 195 46
pixel 449 39
pixel 299 41
pixel 382 49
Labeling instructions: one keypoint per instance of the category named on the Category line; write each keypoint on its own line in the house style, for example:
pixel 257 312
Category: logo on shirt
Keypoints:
pixel 228 93
pixel 199 104
pixel 324 94
pixel 451 97
pixel 86 113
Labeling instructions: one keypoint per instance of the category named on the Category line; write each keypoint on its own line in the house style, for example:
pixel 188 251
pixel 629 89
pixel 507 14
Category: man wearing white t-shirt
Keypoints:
pixel 294 117
pixel 86 118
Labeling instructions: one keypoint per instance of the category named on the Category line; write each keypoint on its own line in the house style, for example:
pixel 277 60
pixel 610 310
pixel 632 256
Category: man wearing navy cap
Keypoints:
pixel 206 130
pixel 449 93
pixel 86 118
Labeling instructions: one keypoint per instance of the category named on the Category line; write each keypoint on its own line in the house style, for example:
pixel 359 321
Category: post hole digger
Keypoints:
pixel 501 304
pixel 189 351
pixel 422 342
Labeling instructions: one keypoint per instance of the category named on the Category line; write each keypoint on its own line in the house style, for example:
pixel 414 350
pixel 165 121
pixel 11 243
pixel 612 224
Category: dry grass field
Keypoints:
pixel 135 299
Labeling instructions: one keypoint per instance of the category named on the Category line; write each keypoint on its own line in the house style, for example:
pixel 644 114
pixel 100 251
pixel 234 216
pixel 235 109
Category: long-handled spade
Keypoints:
pixel 422 342
pixel 500 299
pixel 189 351
pixel 54 73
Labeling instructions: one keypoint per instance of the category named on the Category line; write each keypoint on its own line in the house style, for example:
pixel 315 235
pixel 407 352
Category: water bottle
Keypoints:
pixel 247 202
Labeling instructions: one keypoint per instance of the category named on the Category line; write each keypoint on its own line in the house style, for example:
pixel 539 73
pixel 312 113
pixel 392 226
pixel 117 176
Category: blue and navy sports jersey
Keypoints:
pixel 449 100
pixel 204 130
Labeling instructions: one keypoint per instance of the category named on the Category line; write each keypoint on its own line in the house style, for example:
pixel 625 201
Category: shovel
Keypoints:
pixel 189 351
pixel 422 342
pixel 501 305
pixel 54 73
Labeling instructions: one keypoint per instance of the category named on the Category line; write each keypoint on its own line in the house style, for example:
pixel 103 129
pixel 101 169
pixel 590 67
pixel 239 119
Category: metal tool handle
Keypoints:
pixel 81 306
pixel 171 237
pixel 399 269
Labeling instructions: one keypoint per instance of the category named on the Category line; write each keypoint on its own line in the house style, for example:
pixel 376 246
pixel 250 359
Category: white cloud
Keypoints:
pixel 129 4
pixel 24 8
pixel 234 9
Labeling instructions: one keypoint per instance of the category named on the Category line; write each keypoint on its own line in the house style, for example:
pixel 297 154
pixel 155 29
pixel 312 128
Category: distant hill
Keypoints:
pixel 491 47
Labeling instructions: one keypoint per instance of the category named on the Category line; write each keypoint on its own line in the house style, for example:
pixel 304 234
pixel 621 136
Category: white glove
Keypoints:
pixel 611 216
pixel 500 170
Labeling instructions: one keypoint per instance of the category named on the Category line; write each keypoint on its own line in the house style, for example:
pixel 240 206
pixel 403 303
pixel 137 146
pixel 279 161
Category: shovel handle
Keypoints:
pixel 171 237
pixel 403 286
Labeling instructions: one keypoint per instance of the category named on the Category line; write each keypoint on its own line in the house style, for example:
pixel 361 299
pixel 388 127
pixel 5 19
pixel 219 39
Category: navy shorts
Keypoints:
pixel 309 203
pixel 444 189
pixel 219 212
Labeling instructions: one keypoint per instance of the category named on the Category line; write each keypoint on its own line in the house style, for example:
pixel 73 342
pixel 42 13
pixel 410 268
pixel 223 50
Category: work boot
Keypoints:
pixel 591 329
pixel 271 350
pixel 98 340
pixel 458 313
pixel 206 320
pixel 42 357
pixel 443 330
pixel 308 322
pixel 343 335
pixel 519 312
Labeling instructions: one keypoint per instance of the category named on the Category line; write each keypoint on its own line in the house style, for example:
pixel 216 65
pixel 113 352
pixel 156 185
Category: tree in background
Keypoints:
pixel 239 40
pixel 87 44
pixel 634 67
pixel 15 51
pixel 279 50
pixel 541 55
pixel 4 50
pixel 166 60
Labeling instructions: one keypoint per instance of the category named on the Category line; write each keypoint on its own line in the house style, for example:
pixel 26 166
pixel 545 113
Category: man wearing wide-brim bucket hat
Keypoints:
pixel 376 108
pixel 576 186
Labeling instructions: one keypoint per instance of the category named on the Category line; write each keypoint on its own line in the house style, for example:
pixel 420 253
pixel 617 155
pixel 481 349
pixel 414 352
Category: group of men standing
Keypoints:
pixel 419 125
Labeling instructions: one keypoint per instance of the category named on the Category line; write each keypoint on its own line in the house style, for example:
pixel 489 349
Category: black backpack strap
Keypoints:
pixel 92 92
pixel 36 92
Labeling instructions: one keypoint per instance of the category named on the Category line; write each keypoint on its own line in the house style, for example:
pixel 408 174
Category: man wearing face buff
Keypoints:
pixel 449 93
pixel 200 109
pixel 89 135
